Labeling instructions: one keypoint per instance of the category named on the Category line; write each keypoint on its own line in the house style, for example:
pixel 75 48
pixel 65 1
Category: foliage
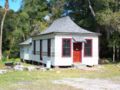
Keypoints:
pixel 56 8
pixel 34 11
pixel 114 40
pixel 30 20
pixel 19 25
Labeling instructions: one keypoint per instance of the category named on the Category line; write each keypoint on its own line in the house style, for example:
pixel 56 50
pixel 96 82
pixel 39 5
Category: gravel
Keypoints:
pixel 89 84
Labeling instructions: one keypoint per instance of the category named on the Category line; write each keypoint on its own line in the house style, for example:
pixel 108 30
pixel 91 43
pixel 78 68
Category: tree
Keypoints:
pixel 18 25
pixel 10 39
pixel 114 42
pixel 94 15
pixel 34 11
pixel 56 8
pixel 82 12
pixel 2 24
pixel 97 15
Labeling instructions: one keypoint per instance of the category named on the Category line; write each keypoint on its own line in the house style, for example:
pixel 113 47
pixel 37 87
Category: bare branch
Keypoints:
pixel 91 9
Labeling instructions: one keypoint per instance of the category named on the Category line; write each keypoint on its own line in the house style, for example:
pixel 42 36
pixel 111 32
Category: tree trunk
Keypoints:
pixel 91 8
pixel 117 53
pixel 114 53
pixel 1 32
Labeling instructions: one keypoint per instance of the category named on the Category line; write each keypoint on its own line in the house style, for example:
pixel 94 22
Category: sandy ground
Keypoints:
pixel 90 84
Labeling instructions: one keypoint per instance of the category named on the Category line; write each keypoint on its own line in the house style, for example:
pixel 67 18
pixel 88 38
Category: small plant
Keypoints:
pixel 4 59
pixel 1 64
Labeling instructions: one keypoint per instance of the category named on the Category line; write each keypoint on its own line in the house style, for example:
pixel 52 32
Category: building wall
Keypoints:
pixel 59 60
pixel 67 61
pixel 56 50
pixel 26 52
pixel 36 57
pixel 95 52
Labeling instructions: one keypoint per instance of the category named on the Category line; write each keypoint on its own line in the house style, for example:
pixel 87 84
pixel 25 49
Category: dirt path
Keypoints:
pixel 89 84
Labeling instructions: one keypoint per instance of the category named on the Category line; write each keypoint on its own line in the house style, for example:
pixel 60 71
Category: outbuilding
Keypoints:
pixel 64 43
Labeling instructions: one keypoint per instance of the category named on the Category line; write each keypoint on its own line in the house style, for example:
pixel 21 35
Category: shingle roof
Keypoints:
pixel 65 25
pixel 27 42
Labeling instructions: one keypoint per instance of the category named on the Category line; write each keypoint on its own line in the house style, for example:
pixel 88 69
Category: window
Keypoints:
pixel 34 47
pixel 88 48
pixel 40 49
pixel 49 47
pixel 66 47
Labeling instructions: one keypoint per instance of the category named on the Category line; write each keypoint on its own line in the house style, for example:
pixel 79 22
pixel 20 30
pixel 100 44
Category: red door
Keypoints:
pixel 77 55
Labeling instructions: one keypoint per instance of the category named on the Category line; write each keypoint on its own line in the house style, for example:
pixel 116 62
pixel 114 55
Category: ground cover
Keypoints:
pixel 43 80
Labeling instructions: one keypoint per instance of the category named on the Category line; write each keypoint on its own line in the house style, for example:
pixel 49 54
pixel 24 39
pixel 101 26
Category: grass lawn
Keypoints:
pixel 42 80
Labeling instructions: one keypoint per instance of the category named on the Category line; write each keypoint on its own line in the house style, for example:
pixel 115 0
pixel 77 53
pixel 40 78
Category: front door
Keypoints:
pixel 77 55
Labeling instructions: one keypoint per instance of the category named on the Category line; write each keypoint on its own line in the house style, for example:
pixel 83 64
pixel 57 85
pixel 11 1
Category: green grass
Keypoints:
pixel 1 65
pixel 41 80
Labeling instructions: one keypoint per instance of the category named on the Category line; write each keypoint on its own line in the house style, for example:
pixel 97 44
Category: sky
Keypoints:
pixel 14 5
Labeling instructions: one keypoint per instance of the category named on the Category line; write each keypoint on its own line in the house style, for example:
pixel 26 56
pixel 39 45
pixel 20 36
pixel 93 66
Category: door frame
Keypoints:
pixel 79 50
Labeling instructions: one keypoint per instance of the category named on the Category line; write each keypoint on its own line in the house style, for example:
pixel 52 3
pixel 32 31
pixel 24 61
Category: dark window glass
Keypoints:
pixel 88 48
pixel 49 47
pixel 34 47
pixel 66 48
pixel 40 49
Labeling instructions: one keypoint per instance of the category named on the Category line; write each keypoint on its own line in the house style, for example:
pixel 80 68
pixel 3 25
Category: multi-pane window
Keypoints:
pixel 88 48
pixel 66 47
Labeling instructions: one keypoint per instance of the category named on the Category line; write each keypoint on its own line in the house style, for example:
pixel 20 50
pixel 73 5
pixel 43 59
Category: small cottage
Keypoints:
pixel 63 43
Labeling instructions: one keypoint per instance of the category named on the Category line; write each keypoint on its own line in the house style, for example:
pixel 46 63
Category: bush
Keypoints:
pixel 5 60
